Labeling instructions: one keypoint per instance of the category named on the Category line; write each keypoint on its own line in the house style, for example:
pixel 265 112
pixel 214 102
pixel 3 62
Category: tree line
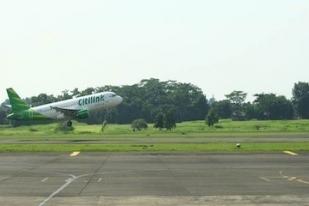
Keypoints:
pixel 266 106
pixel 153 100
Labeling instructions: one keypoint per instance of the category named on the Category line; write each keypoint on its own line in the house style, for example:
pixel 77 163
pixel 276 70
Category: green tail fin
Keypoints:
pixel 16 102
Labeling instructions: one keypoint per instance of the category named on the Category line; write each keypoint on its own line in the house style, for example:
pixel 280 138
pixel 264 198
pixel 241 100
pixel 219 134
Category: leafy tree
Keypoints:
pixel 75 92
pixel 3 115
pixel 65 95
pixel 41 99
pixel 4 111
pixel 188 101
pixel 87 91
pixel 159 121
pixel 223 108
pixel 270 106
pixel 212 118
pixel 151 96
pixel 301 99
pixel 165 120
pixel 139 124
pixel 249 110
pixel 169 119
pixel 237 98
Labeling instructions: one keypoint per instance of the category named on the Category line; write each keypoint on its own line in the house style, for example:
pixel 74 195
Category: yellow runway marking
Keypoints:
pixel 290 153
pixel 73 154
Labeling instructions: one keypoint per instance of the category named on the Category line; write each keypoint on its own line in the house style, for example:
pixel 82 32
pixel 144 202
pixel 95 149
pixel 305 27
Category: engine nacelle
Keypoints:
pixel 82 114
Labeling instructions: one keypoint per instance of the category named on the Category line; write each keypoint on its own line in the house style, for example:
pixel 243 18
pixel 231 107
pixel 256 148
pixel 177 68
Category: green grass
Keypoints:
pixel 211 147
pixel 195 136
pixel 196 127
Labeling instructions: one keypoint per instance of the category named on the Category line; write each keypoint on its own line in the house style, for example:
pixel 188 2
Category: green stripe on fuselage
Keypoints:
pixel 27 115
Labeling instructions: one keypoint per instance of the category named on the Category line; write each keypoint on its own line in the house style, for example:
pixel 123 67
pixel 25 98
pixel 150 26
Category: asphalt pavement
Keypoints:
pixel 46 179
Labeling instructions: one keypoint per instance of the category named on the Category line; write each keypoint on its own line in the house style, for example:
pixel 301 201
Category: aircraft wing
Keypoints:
pixel 66 111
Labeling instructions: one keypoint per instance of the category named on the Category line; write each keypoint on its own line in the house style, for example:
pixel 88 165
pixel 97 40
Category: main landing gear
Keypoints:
pixel 69 123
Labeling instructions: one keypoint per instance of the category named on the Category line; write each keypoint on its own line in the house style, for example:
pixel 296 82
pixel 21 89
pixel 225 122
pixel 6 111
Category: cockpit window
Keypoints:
pixel 112 95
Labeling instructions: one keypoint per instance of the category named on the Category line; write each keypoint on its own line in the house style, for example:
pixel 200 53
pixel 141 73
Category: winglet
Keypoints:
pixel 16 102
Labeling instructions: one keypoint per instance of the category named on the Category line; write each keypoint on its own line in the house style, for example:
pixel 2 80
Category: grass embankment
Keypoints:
pixel 187 137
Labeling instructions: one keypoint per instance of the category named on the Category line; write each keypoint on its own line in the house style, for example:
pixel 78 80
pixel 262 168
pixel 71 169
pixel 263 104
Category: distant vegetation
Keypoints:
pixel 151 99
pixel 139 124
pixel 212 118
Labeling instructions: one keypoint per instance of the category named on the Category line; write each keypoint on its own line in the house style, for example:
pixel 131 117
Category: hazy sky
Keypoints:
pixel 220 46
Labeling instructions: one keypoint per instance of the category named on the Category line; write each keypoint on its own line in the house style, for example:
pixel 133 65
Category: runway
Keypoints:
pixel 153 179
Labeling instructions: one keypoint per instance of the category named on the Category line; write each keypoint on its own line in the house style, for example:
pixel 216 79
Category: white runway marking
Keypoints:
pixel 265 179
pixel 283 176
pixel 67 183
pixel 45 179
pixel 4 178
pixel 302 181
pixel 100 179
pixel 73 154
pixel 293 179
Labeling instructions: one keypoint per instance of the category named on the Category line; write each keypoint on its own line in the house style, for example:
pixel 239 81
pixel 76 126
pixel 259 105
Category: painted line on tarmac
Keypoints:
pixel 62 187
pixel 265 179
pixel 4 178
pixel 293 179
pixel 100 179
pixel 290 153
pixel 73 154
pixel 45 179
pixel 302 181
pixel 67 182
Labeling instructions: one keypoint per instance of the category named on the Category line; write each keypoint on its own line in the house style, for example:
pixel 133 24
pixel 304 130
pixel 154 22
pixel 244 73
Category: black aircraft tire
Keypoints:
pixel 69 123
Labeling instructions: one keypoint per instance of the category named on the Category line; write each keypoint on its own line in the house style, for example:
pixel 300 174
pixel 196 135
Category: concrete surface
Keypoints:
pixel 153 179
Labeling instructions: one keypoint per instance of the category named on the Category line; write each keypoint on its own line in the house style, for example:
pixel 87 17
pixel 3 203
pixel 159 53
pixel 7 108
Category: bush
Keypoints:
pixel 159 121
pixel 32 129
pixel 165 120
pixel 212 118
pixel 139 124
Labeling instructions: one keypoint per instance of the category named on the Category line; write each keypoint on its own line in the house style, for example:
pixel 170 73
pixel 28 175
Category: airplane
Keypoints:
pixel 67 110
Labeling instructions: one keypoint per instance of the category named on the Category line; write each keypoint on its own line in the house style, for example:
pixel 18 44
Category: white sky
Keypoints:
pixel 220 46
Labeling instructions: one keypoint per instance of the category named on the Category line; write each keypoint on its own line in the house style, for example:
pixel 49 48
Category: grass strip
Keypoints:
pixel 209 147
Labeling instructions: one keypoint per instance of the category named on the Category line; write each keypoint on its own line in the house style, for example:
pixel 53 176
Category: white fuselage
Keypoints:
pixel 103 100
